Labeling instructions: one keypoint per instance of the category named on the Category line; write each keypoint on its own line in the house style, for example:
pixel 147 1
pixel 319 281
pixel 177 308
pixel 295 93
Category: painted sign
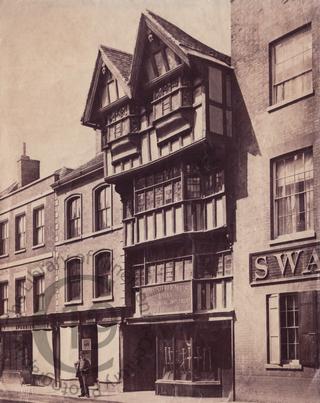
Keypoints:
pixel 166 298
pixel 281 265
pixel 86 344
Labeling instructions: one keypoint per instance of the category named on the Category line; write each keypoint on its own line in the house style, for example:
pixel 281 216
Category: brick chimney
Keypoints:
pixel 28 170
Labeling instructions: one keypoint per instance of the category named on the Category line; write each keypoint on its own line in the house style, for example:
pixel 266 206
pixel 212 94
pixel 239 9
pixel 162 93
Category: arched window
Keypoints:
pixel 102 274
pixel 102 208
pixel 73 279
pixel 74 217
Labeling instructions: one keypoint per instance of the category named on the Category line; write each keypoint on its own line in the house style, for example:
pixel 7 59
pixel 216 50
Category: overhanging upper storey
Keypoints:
pixel 177 95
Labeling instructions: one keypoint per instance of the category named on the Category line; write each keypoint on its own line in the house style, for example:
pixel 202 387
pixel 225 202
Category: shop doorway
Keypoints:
pixel 139 358
pixel 88 343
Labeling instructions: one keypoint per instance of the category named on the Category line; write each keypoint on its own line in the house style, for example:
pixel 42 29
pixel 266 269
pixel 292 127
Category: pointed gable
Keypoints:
pixel 112 69
pixel 177 41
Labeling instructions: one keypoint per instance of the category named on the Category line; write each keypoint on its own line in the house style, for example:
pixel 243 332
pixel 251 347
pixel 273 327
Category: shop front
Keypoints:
pixel 184 358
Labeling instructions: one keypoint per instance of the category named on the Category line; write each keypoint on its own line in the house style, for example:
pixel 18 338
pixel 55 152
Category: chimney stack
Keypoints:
pixel 28 170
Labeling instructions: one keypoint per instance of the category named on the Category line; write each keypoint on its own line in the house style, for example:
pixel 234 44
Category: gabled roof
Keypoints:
pixel 84 169
pixel 183 39
pixel 11 188
pixel 184 45
pixel 120 60
pixel 119 63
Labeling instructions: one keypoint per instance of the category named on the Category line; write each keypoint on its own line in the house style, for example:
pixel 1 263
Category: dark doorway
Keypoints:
pixel 88 343
pixel 140 358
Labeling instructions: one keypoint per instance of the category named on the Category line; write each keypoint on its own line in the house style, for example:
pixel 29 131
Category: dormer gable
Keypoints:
pixel 109 83
pixel 162 46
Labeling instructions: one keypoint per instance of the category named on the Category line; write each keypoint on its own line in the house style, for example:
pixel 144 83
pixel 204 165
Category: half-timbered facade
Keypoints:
pixel 165 119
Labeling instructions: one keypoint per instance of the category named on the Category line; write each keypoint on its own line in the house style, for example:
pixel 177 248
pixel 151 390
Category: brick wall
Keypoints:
pixel 260 136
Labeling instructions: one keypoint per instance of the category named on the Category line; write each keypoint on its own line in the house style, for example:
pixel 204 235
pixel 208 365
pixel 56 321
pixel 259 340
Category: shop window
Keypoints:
pixel 3 298
pixel 194 354
pixel 103 208
pixel 38 226
pixel 103 274
pixel 20 295
pixel 4 238
pixel 38 294
pixel 20 232
pixel 73 280
pixel 291 66
pixel 293 193
pixel 73 208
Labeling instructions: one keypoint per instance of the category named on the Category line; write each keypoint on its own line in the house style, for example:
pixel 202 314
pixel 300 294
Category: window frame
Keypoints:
pixel 96 297
pixel 96 191
pixel 37 297
pixel 18 236
pixel 3 305
pixel 68 203
pixel 4 242
pixel 68 300
pixel 272 45
pixel 274 210
pixel 279 360
pixel 41 227
pixel 18 310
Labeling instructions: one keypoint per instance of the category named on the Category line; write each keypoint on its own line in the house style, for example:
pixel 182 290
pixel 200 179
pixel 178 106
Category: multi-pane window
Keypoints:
pixel 38 226
pixel 159 189
pixel 3 298
pixel 73 283
pixel 161 59
pixel 74 217
pixel 283 328
pixel 38 294
pixel 289 323
pixel 4 237
pixel 103 208
pixel 103 274
pixel 111 89
pixel 293 193
pixel 20 231
pixel 20 295
pixel 163 271
pixel 292 65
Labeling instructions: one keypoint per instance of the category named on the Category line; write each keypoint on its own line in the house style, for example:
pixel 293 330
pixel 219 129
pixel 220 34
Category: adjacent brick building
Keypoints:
pixel 26 270
pixel 275 55
pixel 90 287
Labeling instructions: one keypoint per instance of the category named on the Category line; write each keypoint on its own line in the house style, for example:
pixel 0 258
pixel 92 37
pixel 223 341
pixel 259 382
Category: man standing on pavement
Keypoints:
pixel 82 369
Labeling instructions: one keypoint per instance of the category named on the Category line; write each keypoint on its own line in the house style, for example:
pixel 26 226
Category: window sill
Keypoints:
pixel 4 316
pixel 76 238
pixel 286 102
pixel 293 237
pixel 102 299
pixel 19 251
pixel 74 302
pixel 5 255
pixel 284 367
pixel 40 245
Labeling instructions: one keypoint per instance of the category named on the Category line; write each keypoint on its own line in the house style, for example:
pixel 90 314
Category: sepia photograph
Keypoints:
pixel 159 215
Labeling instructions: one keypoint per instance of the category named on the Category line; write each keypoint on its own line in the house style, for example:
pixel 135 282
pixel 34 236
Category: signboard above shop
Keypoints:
pixel 290 264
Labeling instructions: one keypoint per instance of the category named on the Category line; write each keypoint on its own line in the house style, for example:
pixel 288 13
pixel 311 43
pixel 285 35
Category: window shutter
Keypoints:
pixel 308 329
pixel 274 328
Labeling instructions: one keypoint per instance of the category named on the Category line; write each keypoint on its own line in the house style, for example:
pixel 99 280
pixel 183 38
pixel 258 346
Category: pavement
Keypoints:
pixel 47 394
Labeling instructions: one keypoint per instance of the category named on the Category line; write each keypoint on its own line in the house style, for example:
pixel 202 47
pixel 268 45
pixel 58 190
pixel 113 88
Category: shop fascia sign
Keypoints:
pixel 285 265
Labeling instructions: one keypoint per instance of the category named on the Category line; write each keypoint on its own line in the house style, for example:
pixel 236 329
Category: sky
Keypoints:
pixel 48 50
